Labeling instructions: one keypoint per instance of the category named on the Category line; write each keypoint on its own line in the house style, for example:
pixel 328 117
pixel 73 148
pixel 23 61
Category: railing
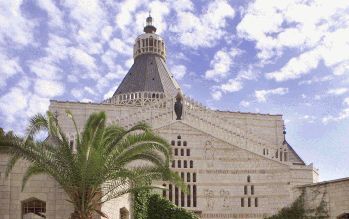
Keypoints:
pixel 215 124
pixel 136 98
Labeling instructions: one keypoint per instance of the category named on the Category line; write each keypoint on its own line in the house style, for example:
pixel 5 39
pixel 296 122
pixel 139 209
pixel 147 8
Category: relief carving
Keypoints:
pixel 225 195
pixel 209 153
pixel 209 196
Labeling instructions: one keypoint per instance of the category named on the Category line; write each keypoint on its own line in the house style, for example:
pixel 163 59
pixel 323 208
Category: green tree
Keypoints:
pixel 108 162
pixel 168 209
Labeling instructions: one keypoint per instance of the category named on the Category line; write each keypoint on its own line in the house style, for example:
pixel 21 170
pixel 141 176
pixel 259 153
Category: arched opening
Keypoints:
pixel 33 208
pixel 343 216
pixel 124 213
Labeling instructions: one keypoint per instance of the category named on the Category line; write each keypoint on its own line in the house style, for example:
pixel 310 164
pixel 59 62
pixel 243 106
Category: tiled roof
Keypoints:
pixel 149 72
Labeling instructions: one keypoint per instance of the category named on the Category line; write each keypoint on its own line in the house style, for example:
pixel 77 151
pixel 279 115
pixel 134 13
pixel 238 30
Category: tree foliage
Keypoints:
pixel 106 163
pixel 298 211
pixel 160 208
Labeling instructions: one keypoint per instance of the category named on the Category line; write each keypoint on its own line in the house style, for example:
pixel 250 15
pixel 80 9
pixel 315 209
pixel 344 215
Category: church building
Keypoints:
pixel 235 165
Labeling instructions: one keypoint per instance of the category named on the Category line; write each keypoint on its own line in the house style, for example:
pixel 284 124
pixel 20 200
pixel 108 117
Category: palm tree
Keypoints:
pixel 108 162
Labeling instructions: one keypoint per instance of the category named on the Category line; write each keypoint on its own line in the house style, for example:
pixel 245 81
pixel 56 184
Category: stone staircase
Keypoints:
pixel 161 113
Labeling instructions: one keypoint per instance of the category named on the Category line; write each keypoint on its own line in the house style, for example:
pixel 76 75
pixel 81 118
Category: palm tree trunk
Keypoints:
pixel 77 215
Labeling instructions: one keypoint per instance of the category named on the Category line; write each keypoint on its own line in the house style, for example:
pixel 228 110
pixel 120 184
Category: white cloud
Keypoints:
pixel 337 91
pixel 8 68
pixel 262 95
pixel 231 86
pixel 53 12
pixel 121 47
pixel 344 114
pixel 236 84
pixel 346 101
pixel 48 88
pixel 45 69
pixel 202 30
pixel 308 118
pixel 319 30
pixel 316 79
pixel 221 64
pixel 296 67
pixel 36 105
pixel 244 103
pixel 57 47
pixel 14 101
pixel 84 59
pixel 87 20
pixel 178 71
pixel 216 95
pixel 14 27
pixel 77 93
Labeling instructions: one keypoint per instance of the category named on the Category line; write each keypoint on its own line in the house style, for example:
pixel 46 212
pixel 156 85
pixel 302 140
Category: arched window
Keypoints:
pixel 182 152
pixel 188 152
pixel 173 164
pixel 179 137
pixel 34 206
pixel 182 176
pixel 191 164
pixel 178 143
pixel 176 152
pixel 252 190
pixel 184 143
pixel 179 164
pixel 242 202
pixel 124 213
pixel 185 164
pixel 248 178
pixel 245 190
pixel 194 177
pixel 188 177
pixel 249 202
pixel 173 143
pixel 256 202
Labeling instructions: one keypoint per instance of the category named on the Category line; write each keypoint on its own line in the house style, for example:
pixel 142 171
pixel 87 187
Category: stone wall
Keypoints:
pixel 334 195
pixel 41 187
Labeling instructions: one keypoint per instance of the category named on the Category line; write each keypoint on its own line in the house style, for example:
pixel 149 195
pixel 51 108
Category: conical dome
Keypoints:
pixel 149 73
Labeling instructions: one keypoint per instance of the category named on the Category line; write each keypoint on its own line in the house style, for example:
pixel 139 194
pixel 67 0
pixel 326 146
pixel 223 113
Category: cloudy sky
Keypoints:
pixel 287 57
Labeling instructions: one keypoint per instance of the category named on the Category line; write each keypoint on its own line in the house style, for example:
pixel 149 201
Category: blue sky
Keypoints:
pixel 285 57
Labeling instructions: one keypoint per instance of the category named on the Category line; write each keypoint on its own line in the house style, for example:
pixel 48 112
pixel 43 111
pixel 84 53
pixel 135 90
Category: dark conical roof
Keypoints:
pixel 149 72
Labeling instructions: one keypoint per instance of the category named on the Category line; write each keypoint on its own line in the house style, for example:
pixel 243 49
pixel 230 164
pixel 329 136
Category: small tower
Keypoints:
pixel 149 42
pixel 149 28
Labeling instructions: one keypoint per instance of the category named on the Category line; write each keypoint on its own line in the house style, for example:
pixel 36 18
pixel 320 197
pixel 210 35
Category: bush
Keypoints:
pixel 160 208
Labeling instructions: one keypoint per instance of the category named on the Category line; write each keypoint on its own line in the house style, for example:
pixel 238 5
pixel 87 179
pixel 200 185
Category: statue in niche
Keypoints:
pixel 225 195
pixel 209 196
pixel 178 106
pixel 209 153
